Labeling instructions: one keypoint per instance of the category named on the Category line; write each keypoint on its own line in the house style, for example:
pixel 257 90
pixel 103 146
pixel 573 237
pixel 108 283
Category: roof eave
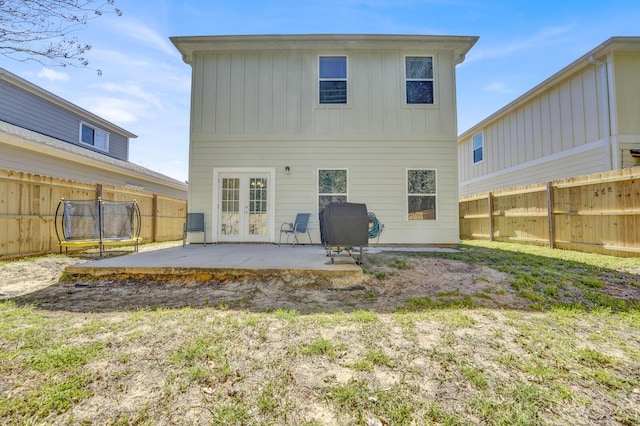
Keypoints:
pixel 614 44
pixel 63 103
pixel 188 45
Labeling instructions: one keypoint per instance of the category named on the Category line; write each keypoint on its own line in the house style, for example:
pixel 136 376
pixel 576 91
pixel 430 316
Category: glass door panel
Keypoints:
pixel 230 206
pixel 258 206
pixel 244 208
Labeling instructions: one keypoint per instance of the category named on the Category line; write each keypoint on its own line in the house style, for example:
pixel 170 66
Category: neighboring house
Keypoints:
pixel 584 119
pixel 44 134
pixel 282 124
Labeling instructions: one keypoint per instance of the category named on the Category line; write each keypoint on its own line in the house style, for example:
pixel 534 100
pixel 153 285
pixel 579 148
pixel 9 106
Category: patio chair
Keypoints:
pixel 194 223
pixel 300 226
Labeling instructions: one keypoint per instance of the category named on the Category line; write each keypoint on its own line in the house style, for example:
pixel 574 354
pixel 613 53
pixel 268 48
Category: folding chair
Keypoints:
pixel 194 223
pixel 300 226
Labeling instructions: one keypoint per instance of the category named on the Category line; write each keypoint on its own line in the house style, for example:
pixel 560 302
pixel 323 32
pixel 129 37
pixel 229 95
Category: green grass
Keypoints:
pixel 547 277
pixel 572 360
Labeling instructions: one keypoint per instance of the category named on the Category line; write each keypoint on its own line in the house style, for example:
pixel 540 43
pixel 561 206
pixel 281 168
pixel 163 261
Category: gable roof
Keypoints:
pixel 62 103
pixel 614 44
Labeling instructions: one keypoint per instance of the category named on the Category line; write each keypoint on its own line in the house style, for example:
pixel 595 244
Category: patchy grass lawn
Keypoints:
pixel 571 355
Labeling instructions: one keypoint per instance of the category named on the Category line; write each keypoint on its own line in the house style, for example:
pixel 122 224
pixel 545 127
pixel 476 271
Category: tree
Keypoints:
pixel 40 30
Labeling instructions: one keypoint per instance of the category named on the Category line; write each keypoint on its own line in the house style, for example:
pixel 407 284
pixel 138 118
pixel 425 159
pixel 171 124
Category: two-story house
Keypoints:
pixel 583 119
pixel 282 124
pixel 43 134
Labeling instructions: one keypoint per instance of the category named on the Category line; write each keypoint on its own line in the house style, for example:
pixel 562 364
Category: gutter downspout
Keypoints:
pixel 605 115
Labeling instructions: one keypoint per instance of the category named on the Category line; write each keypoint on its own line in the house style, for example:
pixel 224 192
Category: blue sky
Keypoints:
pixel 145 85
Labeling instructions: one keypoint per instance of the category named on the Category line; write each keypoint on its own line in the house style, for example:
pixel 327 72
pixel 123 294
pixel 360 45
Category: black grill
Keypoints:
pixel 344 226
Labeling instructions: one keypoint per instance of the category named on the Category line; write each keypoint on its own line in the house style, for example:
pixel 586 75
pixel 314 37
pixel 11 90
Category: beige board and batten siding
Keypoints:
pixel 627 79
pixel 552 135
pixel 254 104
pixel 581 120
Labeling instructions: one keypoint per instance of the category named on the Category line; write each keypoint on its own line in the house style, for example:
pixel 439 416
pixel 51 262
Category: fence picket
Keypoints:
pixel 597 213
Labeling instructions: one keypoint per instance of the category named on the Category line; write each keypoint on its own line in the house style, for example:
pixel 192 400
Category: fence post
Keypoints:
pixel 490 204
pixel 154 218
pixel 550 216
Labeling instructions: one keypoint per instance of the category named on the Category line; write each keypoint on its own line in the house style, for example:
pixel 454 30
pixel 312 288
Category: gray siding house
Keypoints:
pixel 44 134
pixel 284 124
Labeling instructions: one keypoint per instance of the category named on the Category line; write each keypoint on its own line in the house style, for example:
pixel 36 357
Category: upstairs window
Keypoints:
pixel 421 194
pixel 419 79
pixel 332 72
pixel 478 148
pixel 94 137
pixel 332 187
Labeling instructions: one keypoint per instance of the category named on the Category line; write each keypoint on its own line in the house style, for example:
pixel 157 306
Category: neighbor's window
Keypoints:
pixel 332 72
pixel 419 79
pixel 95 137
pixel 478 148
pixel 421 193
pixel 332 187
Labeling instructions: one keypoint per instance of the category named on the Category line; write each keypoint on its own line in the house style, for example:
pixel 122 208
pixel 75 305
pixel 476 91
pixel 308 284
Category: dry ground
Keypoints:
pixel 37 282
pixel 233 364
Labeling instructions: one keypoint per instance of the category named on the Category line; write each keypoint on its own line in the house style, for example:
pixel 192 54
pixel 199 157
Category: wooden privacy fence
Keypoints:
pixel 598 213
pixel 28 203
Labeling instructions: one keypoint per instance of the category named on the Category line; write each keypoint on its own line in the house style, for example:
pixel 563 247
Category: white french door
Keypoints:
pixel 244 206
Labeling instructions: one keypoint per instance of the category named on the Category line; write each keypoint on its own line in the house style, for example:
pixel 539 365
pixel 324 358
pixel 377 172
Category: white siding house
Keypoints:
pixel 284 124
pixel 583 119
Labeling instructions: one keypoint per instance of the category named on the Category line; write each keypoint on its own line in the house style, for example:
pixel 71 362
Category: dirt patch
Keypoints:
pixel 421 280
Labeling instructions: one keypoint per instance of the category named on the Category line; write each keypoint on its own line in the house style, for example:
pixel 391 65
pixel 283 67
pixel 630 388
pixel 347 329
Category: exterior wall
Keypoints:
pixel 26 110
pixel 376 176
pixel 562 119
pixel 627 70
pixel 26 151
pixel 259 109
pixel 584 119
pixel 627 104
pixel 273 93
pixel 585 159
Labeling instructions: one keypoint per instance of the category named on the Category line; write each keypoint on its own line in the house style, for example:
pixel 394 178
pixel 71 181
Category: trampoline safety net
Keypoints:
pixel 97 222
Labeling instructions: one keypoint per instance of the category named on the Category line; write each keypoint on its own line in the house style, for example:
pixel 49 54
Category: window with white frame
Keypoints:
pixel 332 75
pixel 421 194
pixel 478 148
pixel 95 137
pixel 332 187
pixel 419 79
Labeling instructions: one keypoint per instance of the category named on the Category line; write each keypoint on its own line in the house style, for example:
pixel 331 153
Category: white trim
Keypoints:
pixel 406 196
pixel 473 150
pixel 62 103
pixel 26 139
pixel 553 157
pixel 271 171
pixel 333 193
pixel 433 80
pixel 95 129
pixel 346 80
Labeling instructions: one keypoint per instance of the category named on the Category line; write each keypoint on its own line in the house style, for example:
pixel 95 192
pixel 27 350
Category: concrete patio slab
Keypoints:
pixel 222 261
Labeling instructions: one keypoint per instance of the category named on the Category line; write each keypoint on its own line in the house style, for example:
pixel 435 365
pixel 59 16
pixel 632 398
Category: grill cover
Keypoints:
pixel 344 224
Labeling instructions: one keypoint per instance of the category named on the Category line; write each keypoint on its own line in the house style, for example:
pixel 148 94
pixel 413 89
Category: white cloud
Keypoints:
pixel 132 90
pixel 53 75
pixel 116 110
pixel 497 87
pixel 544 37
pixel 138 31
